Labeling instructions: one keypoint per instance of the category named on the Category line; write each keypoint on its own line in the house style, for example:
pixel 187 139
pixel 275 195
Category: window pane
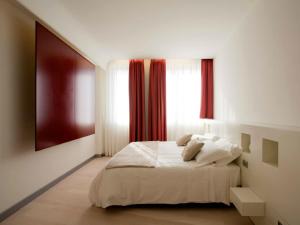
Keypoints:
pixel 183 97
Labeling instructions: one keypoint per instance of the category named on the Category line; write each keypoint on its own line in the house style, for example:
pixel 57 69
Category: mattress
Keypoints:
pixel 171 181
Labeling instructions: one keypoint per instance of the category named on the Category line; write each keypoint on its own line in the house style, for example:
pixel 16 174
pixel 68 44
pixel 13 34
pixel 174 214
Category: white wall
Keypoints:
pixel 22 170
pixel 257 81
pixel 257 72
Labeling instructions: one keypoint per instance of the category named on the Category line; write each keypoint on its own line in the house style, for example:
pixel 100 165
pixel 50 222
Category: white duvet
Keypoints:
pixel 136 154
pixel 154 172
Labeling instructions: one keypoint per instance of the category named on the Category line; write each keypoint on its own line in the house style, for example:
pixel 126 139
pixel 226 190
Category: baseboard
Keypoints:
pixel 8 212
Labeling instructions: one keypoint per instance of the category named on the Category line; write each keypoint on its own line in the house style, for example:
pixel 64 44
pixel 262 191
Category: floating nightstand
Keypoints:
pixel 247 202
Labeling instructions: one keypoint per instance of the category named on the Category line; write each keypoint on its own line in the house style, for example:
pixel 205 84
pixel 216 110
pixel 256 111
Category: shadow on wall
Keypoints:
pixel 19 110
pixel 225 110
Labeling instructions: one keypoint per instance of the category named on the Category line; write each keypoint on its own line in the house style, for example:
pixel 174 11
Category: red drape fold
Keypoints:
pixel 157 127
pixel 207 96
pixel 136 100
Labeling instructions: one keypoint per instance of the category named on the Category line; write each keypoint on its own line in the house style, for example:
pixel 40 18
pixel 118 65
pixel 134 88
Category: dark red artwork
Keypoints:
pixel 65 91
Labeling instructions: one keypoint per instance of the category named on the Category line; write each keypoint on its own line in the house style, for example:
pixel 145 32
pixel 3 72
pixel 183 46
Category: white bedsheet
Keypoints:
pixel 172 181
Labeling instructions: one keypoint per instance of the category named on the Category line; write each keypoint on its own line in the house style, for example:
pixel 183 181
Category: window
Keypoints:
pixel 118 97
pixel 183 90
pixel 117 107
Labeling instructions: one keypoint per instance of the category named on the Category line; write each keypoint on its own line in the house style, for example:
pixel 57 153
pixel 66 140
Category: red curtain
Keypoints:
pixel 157 128
pixel 207 96
pixel 136 100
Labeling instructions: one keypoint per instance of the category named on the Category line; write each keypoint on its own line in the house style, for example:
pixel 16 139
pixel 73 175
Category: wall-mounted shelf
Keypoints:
pixel 247 202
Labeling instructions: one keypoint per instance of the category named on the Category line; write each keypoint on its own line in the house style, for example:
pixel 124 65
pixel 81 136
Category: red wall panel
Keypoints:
pixel 65 92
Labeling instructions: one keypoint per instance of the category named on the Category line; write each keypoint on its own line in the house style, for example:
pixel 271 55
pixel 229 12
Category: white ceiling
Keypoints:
pixel 120 29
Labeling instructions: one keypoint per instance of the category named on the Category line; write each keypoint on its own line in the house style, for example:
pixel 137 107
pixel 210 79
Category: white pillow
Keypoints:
pixel 228 146
pixel 210 153
pixel 225 144
pixel 205 137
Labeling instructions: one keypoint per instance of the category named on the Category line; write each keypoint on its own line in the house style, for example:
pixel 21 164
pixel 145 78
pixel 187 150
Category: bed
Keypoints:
pixel 154 173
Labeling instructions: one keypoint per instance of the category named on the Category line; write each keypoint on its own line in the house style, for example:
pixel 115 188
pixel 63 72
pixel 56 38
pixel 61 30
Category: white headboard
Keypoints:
pixel 278 185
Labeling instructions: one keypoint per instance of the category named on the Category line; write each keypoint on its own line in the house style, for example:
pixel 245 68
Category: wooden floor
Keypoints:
pixel 67 203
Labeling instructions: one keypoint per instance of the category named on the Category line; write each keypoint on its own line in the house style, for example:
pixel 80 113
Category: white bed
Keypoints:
pixel 161 177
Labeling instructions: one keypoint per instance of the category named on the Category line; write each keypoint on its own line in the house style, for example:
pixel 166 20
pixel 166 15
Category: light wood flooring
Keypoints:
pixel 67 204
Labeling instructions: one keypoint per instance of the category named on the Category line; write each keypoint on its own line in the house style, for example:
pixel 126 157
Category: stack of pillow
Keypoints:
pixel 208 149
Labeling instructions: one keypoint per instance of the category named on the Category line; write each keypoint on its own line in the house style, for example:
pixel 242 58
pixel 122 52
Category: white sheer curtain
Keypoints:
pixel 117 107
pixel 183 83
